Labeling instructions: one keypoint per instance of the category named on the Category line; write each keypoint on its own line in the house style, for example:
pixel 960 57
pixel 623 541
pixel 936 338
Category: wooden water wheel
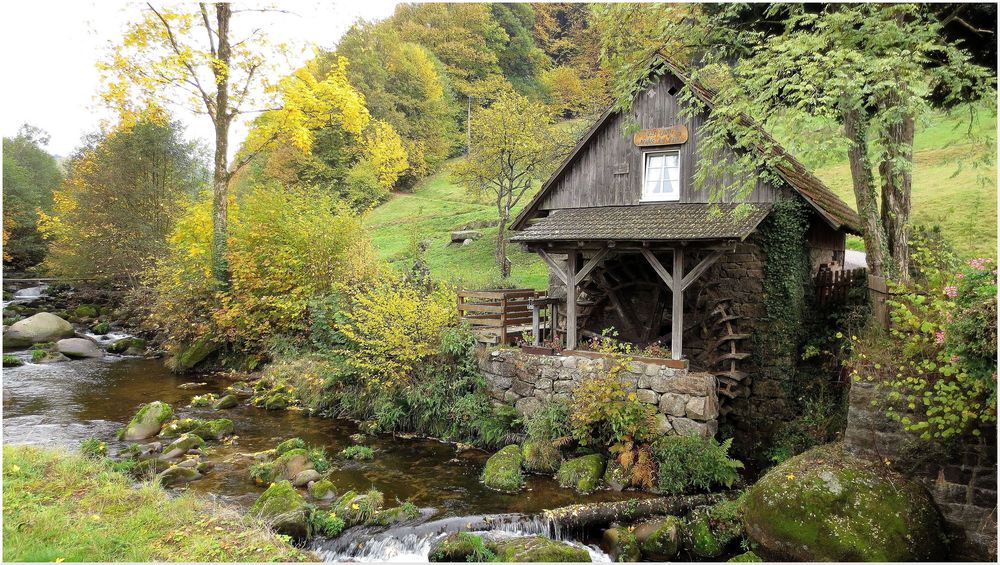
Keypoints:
pixel 725 346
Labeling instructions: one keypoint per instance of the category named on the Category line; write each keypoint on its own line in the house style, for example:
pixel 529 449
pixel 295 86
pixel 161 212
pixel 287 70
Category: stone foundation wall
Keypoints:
pixel 686 402
pixel 963 483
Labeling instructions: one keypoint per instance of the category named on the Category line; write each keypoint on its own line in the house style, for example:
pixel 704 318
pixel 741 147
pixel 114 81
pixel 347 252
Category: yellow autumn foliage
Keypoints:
pixel 391 326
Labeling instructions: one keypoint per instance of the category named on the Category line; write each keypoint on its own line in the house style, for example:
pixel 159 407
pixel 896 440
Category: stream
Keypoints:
pixel 61 404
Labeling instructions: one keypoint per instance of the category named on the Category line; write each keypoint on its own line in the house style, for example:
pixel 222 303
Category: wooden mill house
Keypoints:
pixel 632 244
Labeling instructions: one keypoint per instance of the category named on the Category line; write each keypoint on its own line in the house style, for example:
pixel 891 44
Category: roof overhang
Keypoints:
pixel 654 222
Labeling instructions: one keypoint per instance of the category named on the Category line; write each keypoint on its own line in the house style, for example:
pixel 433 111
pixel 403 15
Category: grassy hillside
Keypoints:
pixel 953 185
pixel 436 208
pixel 949 190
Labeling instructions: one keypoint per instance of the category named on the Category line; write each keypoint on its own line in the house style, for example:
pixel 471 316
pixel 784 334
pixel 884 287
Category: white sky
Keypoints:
pixel 48 52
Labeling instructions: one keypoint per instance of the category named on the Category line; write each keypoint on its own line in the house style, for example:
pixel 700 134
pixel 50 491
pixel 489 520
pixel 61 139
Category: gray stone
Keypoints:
pixel 663 426
pixel 522 388
pixel 182 445
pixel 147 421
pixel 543 384
pixel 691 384
pixel 569 362
pixel 563 386
pixel 79 348
pixel 40 328
pixel 465 236
pixel 687 427
pixel 660 384
pixel 528 406
pixel 303 478
pixel 673 404
pixel 652 370
pixel 695 408
pixel 178 475
pixel 647 396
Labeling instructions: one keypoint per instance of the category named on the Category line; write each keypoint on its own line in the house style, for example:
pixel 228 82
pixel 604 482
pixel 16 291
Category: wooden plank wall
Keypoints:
pixel 608 170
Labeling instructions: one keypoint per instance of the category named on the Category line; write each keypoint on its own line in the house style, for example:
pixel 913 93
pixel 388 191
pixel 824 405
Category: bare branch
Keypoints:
pixel 187 64
pixel 208 27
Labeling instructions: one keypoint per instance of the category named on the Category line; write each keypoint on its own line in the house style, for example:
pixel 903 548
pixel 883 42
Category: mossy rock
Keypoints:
pixel 711 530
pixel 277 401
pixel 536 549
pixel 214 429
pixel 700 539
pixel 827 505
pixel 127 345
pixel 457 547
pixel 541 457
pixel 503 470
pixel 147 421
pixel 101 328
pixel 203 400
pixel 192 354
pixel 748 557
pixel 12 361
pixel 288 445
pixel 85 311
pixel 357 508
pixel 226 402
pixel 284 509
pixel 322 489
pixel 390 516
pixel 622 545
pixel 582 473
pixel 176 475
pixel 660 539
pixel 615 476
pixel 176 427
pixel 286 467
pixel 182 445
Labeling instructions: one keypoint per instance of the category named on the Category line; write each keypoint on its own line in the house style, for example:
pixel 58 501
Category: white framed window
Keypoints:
pixel 661 175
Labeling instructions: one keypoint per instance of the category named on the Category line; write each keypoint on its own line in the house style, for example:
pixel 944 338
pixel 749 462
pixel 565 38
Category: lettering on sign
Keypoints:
pixel 673 135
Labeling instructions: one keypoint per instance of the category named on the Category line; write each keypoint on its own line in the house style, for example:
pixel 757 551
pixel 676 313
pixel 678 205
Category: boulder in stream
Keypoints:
pixel 79 348
pixel 322 489
pixel 534 549
pixel 39 328
pixel 503 470
pixel 176 475
pixel 582 473
pixel 303 478
pixel 226 402
pixel 284 509
pixel 660 539
pixel 147 421
pixel 827 505
pixel 182 445
pixel 623 547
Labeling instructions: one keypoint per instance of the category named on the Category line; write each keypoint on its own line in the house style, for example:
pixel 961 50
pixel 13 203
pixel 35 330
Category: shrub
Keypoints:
pixel 326 523
pixel 687 463
pixel 390 327
pixel 37 355
pixel 358 453
pixel 550 423
pixel 823 418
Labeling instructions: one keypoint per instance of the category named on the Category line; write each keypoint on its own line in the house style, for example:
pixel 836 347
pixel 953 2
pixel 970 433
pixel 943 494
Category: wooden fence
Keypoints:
pixel 499 316
pixel 834 286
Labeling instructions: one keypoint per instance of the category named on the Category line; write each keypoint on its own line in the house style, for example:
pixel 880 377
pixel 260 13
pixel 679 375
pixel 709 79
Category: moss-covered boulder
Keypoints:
pixel 827 505
pixel 179 426
pixel 288 445
pixel 615 476
pixel 12 361
pixel 711 530
pixel 621 544
pixel 182 445
pixel 190 355
pixel 284 509
pixel 41 327
pixel 536 549
pixel 286 467
pixel 503 470
pixel 176 475
pixel 541 457
pixel 128 346
pixel 85 311
pixel 214 429
pixel 147 421
pixel 660 539
pixel 459 547
pixel 356 508
pixel 748 557
pixel 226 402
pixel 582 473
pixel 303 478
pixel 322 489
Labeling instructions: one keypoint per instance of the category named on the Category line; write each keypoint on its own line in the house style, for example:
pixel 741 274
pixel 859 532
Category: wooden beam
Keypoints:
pixel 554 266
pixel 700 268
pixel 594 261
pixel 659 268
pixel 571 295
pixel 677 310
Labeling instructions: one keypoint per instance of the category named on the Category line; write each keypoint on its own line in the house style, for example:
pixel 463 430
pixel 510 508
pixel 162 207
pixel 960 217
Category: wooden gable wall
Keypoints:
pixel 608 169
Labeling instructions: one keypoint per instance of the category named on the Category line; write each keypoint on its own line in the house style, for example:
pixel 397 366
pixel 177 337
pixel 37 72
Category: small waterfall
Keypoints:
pixel 26 295
pixel 409 543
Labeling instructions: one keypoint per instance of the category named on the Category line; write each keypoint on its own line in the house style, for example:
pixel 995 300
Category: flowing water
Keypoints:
pixel 64 403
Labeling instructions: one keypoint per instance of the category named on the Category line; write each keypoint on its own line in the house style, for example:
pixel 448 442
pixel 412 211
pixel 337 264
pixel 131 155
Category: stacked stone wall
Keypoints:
pixel 963 483
pixel 686 402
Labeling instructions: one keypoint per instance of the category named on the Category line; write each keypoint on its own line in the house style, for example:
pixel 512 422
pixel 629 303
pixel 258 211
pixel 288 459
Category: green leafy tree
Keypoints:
pixel 122 194
pixel 30 175
pixel 514 143
pixel 871 68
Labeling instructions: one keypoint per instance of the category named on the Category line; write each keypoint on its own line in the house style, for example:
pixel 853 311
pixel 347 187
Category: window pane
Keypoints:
pixel 672 160
pixel 654 161
pixel 653 174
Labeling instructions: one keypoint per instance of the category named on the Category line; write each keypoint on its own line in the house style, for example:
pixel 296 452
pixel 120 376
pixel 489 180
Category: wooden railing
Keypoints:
pixel 834 286
pixel 499 316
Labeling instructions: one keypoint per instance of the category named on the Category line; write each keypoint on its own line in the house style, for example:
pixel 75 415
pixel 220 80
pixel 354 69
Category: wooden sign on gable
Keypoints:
pixel 673 135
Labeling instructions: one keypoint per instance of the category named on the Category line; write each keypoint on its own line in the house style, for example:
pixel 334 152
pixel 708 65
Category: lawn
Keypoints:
pixel 954 187
pixel 60 506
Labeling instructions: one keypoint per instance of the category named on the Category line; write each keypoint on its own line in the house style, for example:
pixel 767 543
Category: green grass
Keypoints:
pixel 59 506
pixel 437 207
pixel 954 183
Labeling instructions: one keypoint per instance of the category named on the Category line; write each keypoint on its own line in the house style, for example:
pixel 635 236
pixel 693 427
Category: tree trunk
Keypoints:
pixel 220 177
pixel 896 173
pixel 503 265
pixel 856 130
pixel 581 516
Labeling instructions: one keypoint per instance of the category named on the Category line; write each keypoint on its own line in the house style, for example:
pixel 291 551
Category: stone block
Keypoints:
pixel 663 426
pixel 563 387
pixel 652 370
pixel 528 406
pixel 511 397
pixel 688 427
pixel 543 384
pixel 662 384
pixel 673 404
pixel 569 362
pixel 647 396
pixel 522 388
pixel 693 385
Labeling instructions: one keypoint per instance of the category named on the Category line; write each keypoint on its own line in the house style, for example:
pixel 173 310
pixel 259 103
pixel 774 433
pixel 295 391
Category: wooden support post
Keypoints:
pixel 536 325
pixel 677 310
pixel 571 297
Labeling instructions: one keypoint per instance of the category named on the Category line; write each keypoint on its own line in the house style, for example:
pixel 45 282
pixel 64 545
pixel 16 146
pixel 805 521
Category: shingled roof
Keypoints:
pixel 667 221
pixel 834 210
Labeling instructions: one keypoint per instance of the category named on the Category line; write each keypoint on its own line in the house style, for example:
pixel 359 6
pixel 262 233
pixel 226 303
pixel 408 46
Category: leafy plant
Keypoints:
pixel 326 523
pixel 358 453
pixel 93 448
pixel 688 463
